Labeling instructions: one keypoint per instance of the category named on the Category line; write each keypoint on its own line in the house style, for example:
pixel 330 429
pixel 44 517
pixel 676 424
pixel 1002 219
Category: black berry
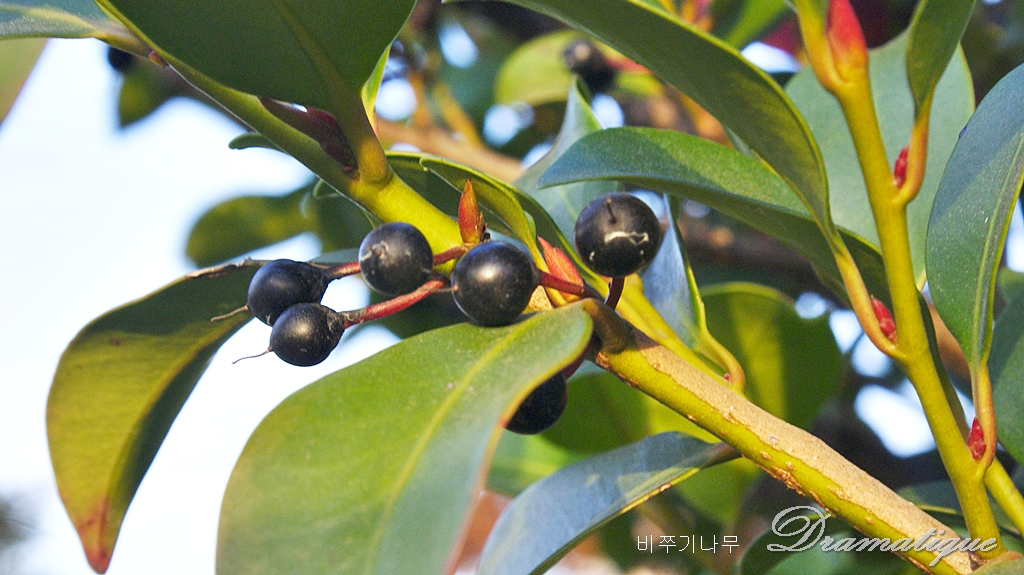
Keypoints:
pixel 120 60
pixel 395 258
pixel 589 63
pixel 306 333
pixel 493 282
pixel 541 409
pixel 282 283
pixel 617 234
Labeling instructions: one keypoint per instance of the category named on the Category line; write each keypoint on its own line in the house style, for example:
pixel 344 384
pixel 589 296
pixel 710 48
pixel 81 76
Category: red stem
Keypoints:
pixel 393 305
pixel 615 292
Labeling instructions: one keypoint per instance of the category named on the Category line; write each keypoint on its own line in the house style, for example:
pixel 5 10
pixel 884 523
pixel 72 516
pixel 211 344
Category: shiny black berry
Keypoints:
pixel 306 333
pixel 589 63
pixel 493 282
pixel 541 409
pixel 617 234
pixel 395 258
pixel 282 283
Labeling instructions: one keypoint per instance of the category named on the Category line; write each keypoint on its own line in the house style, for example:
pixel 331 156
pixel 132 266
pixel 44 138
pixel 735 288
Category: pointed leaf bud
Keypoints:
pixel 471 220
pixel 885 321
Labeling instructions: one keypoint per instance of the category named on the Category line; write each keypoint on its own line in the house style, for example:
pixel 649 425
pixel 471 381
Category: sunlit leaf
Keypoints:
pixel 953 104
pixel 118 387
pixel 735 184
pixel 536 72
pixel 552 515
pixel 311 53
pixel 971 215
pixel 17 58
pixel 373 469
pixel 57 19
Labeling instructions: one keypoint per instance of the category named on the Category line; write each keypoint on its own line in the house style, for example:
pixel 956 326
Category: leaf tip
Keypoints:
pixel 96 541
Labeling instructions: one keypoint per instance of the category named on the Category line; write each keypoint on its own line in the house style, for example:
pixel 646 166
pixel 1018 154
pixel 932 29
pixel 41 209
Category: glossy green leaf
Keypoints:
pixel 372 469
pixel 740 22
pixel 582 497
pixel 521 460
pixel 934 37
pixel 671 288
pixel 737 185
pixel 56 19
pixel 1006 367
pixel 792 364
pixel 309 53
pixel 716 76
pixel 971 216
pixel 17 58
pixel 953 104
pixel 118 387
pixel 564 203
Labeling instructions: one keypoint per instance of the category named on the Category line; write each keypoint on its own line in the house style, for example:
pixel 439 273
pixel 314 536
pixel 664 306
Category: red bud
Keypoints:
pixel 561 266
pixel 899 171
pixel 845 37
pixel 976 440
pixel 885 321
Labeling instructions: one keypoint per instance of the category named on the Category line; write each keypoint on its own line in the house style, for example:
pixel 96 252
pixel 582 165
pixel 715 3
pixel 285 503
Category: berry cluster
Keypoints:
pixel 492 283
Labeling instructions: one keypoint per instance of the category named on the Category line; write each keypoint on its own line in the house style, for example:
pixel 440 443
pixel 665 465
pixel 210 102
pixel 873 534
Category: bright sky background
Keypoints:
pixel 93 217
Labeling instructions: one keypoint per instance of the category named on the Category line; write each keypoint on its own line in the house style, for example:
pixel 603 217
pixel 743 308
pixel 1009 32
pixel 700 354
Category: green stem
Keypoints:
pixel 912 339
pixel 791 455
pixel 1005 493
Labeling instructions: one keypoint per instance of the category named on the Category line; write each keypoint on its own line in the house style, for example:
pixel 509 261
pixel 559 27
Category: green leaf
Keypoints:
pixel 309 53
pixel 971 215
pixel 1008 567
pixel 792 364
pixel 737 185
pixel 535 73
pixel 1006 366
pixel 118 387
pixel 716 76
pixel 520 460
pixel 498 196
pixel 740 22
pixel 584 496
pixel 671 288
pixel 602 413
pixel 144 88
pixel 17 58
pixel 953 104
pixel 57 19
pixel 372 469
pixel 240 225
pixel 564 203
pixel 934 37
pixel 252 140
